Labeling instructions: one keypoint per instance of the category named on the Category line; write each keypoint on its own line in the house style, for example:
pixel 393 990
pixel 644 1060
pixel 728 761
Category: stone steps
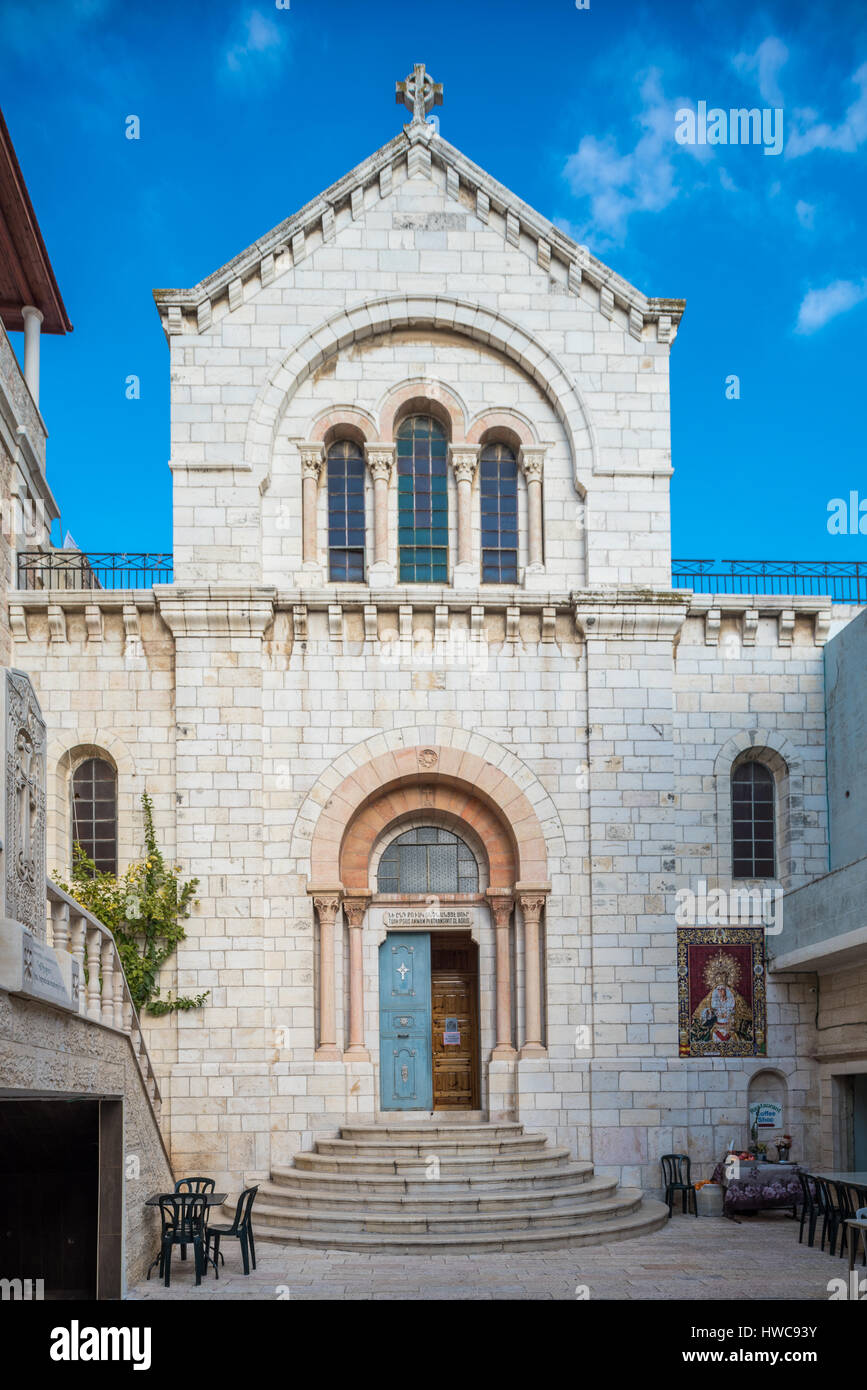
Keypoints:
pixel 325 1199
pixel 408 1165
pixel 442 1147
pixel 537 1179
pixel 372 1188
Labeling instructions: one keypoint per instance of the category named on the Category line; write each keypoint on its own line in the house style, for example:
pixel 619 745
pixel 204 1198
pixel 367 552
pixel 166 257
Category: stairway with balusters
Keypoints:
pixel 446 1185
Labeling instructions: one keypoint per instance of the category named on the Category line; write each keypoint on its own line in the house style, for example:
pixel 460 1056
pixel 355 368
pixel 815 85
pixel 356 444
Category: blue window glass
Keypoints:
pixel 422 501
pixel 346 513
pixel 499 503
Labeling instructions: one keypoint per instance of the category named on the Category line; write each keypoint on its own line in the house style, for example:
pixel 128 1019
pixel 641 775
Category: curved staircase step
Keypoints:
pixel 408 1164
pixel 325 1198
pixel 539 1178
pixel 479 1146
pixel 640 1216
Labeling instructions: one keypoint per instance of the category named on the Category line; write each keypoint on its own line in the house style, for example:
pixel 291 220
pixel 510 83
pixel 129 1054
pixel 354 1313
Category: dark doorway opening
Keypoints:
pixel 455 1021
pixel 61 1194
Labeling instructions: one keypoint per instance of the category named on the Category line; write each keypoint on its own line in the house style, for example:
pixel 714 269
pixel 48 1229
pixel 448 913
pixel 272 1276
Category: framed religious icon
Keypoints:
pixel 721 992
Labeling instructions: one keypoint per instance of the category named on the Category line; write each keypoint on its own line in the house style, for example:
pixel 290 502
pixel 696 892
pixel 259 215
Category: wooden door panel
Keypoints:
pixel 455 1065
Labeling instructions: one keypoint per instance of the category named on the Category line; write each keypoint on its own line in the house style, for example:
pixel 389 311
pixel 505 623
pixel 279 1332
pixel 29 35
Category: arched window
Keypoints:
pixel 422 501
pixel 753 795
pixel 346 512
pixel 499 496
pixel 94 812
pixel 428 860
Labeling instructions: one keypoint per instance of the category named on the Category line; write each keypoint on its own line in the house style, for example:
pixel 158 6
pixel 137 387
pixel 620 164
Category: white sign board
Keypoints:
pixel 428 917
pixel 766 1114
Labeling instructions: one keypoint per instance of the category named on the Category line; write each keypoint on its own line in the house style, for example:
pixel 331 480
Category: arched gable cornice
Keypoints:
pixel 372 317
pixel 483 768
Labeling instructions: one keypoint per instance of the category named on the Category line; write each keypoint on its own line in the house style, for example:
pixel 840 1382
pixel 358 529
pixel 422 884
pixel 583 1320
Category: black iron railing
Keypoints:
pixel 73 569
pixel 845 581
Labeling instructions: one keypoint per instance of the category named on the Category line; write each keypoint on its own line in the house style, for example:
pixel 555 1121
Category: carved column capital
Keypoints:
pixel 327 904
pixel 532 459
pixel 502 902
pixel 355 909
pixel 464 459
pixel 380 461
pixel 532 905
pixel 312 457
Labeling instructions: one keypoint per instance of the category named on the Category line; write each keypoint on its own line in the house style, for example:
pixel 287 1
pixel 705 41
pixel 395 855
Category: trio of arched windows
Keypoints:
pixel 422 508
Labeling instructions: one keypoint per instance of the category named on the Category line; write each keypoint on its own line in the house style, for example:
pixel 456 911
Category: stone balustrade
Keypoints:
pixel 104 992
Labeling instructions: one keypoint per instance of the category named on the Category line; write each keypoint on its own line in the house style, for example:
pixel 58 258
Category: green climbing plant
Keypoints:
pixel 144 909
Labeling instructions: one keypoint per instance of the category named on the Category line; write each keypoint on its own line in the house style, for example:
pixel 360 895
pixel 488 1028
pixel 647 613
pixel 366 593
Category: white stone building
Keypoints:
pixel 361 644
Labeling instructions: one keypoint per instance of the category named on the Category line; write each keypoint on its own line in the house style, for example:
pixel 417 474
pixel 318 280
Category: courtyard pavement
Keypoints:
pixel 689 1258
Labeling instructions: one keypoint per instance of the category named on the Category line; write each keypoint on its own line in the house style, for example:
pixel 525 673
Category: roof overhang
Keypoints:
pixel 26 276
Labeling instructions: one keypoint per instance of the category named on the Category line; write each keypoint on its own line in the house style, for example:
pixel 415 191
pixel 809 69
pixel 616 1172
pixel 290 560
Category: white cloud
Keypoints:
pixel 641 180
pixel 821 306
pixel 262 44
pixel 810 133
pixel 805 212
pixel 764 65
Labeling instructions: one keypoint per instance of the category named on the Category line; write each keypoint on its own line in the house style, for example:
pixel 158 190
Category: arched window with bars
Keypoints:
pixel 93 812
pixel 428 860
pixel 499 503
pixel 753 821
pixel 346 515
pixel 422 501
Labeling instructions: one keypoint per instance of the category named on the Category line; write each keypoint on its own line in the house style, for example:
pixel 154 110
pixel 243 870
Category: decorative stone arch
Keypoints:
pixel 65 753
pixel 464 783
pixel 777 754
pixel 388 781
pixel 422 396
pixel 503 427
pixel 444 313
pixel 451 806
pixel 343 422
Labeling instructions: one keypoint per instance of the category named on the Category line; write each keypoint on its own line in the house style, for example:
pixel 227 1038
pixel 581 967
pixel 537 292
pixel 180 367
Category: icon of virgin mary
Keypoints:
pixel 723 1016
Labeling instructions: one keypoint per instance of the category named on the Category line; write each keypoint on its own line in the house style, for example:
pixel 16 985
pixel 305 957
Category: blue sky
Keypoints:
pixel 248 110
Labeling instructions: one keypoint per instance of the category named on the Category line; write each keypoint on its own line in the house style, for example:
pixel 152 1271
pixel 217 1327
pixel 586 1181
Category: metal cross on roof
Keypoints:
pixel 419 93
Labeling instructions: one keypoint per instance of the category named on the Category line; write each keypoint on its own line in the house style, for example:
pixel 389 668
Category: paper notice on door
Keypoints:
pixel 451 1035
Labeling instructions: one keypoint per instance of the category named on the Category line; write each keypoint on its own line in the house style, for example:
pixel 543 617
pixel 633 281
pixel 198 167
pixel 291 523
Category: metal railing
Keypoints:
pixel 104 996
pixel 844 581
pixel 102 569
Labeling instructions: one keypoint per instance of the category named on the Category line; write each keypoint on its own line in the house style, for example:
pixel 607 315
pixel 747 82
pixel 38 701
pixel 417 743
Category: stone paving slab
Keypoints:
pixel 689 1258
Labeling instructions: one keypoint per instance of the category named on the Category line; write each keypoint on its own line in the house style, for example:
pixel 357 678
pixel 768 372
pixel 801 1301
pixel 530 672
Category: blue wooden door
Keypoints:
pixel 405 1070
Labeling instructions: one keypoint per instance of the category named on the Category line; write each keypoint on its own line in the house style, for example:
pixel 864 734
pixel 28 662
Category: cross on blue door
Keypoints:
pixel 405 1067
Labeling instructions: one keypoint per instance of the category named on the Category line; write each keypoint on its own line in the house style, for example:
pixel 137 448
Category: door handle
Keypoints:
pixel 403 1035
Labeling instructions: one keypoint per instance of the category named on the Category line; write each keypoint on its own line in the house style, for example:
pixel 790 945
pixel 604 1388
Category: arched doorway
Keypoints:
pixel 430 1054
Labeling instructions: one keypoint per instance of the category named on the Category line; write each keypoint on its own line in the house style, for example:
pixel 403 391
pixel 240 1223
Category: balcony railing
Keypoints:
pixel 73 569
pixel 844 581
pixel 104 993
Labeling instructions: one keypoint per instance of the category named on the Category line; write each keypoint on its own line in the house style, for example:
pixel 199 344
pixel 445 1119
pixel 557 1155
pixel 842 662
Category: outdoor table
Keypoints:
pixel 837 1175
pixel 212 1199
pixel 759 1186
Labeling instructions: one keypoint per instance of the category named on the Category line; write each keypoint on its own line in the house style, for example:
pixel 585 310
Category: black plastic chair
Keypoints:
pixel 811 1209
pixel 845 1212
pixel 676 1177
pixel 202 1185
pixel 241 1227
pixel 830 1214
pixel 183 1223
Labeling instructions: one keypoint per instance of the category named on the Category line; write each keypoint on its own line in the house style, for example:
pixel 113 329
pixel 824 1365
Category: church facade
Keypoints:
pixel 457 769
